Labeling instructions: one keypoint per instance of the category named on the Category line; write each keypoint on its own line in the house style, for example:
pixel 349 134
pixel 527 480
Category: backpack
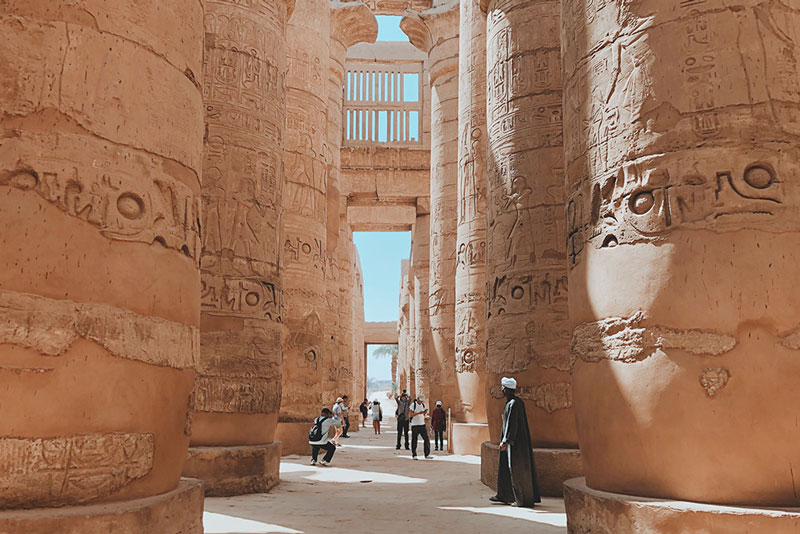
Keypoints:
pixel 315 432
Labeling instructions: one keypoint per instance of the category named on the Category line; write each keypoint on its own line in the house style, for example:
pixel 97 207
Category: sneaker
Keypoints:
pixel 429 457
pixel 407 448
pixel 313 462
pixel 323 463
pixel 397 448
pixel 496 499
pixel 415 457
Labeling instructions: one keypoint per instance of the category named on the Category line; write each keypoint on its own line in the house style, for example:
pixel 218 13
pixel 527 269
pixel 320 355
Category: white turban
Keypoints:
pixel 509 383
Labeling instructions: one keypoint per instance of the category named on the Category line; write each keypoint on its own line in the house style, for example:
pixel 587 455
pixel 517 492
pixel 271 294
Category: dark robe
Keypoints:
pixel 516 474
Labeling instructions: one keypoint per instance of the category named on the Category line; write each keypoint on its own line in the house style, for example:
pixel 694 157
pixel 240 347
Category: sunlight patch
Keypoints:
pixel 226 524
pixel 555 519
pixel 347 476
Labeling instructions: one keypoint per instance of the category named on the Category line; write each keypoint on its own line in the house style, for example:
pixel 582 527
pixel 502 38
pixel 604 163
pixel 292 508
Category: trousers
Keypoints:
pixel 416 431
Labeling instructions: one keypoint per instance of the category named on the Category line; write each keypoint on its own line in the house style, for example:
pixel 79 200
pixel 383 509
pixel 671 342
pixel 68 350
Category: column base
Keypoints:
pixel 468 438
pixel 355 423
pixel 229 471
pixel 597 512
pixel 177 512
pixel 553 467
pixel 294 437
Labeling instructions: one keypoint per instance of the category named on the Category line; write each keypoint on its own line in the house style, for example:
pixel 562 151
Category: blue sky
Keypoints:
pixel 389 29
pixel 381 254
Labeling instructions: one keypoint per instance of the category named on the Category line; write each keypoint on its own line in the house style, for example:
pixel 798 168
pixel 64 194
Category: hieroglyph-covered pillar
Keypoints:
pixel 528 323
pixel 420 252
pixel 470 308
pixel 351 22
pixel 435 31
pixel 683 175
pixel 307 163
pixel 101 136
pixel 238 392
pixel 359 348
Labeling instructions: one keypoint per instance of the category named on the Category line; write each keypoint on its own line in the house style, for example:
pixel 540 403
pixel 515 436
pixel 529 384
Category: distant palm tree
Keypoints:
pixel 386 350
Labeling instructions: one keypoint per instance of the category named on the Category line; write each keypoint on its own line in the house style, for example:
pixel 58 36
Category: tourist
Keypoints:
pixel 417 412
pixel 337 421
pixel 403 402
pixel 516 473
pixel 346 415
pixel 377 417
pixel 438 423
pixel 319 438
pixel 364 408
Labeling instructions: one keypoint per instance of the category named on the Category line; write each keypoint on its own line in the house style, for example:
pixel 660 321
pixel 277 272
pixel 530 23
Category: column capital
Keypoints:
pixel 289 8
pixel 352 22
pixel 485 6
pixel 435 31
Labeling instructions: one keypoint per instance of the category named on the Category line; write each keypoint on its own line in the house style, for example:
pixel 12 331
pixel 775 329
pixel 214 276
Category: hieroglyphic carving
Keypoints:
pixel 122 206
pixel 240 297
pixel 70 470
pixel 52 326
pixel 226 395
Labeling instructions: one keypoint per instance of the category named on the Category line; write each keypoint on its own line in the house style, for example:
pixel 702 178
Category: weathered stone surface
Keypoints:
pixel 99 199
pixel 435 31
pixel 227 471
pixel 527 326
pixel 553 468
pixel 179 511
pixel 75 469
pixel 470 284
pixel 597 512
pixel 680 135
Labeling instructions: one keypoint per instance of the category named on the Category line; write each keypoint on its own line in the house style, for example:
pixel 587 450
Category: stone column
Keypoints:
pixel 470 309
pixel 359 349
pixel 435 31
pixel 420 253
pixel 100 160
pixel 527 325
pixel 238 391
pixel 351 22
pixel 307 163
pixel 682 174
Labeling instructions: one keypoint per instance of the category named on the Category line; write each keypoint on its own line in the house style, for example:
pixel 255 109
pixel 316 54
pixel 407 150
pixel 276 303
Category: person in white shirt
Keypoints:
pixel 417 412
pixel 325 421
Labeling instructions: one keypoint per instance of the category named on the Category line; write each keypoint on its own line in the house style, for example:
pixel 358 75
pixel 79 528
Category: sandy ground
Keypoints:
pixel 373 488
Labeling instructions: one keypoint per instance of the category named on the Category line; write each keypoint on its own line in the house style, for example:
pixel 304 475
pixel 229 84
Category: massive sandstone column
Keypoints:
pixel 307 162
pixel 238 392
pixel 420 254
pixel 470 308
pixel 351 22
pixel 435 31
pixel 527 325
pixel 100 155
pixel 359 348
pixel 682 173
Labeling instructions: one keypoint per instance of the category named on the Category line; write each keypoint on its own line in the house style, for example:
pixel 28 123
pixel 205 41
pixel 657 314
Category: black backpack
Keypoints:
pixel 315 432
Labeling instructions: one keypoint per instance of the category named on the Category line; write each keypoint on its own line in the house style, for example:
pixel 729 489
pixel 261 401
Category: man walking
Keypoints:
pixel 516 473
pixel 402 414
pixel 417 411
pixel 318 438
pixel 346 414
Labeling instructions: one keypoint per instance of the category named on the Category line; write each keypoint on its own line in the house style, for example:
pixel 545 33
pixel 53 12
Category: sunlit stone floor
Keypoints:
pixel 373 488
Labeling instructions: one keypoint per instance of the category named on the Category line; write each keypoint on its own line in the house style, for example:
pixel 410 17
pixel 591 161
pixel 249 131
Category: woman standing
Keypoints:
pixel 377 416
pixel 438 424
pixel 364 409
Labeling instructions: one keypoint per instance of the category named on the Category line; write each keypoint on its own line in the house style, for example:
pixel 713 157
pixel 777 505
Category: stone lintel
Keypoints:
pixel 382 218
pixel 553 467
pixel 381 333
pixel 228 471
pixel 600 512
pixel 179 511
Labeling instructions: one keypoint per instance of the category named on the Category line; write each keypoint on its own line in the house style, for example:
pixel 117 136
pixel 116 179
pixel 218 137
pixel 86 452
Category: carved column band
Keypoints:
pixel 435 31
pixel 527 325
pixel 99 281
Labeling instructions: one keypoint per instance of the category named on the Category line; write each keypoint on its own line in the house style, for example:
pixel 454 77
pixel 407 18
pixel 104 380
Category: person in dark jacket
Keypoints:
pixel 438 424
pixel 516 473
pixel 364 409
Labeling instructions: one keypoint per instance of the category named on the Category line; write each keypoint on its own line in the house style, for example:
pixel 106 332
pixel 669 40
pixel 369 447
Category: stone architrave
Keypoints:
pixel 99 302
pixel 307 164
pixel 351 22
pixel 435 31
pixel 683 182
pixel 528 323
pixel 238 392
